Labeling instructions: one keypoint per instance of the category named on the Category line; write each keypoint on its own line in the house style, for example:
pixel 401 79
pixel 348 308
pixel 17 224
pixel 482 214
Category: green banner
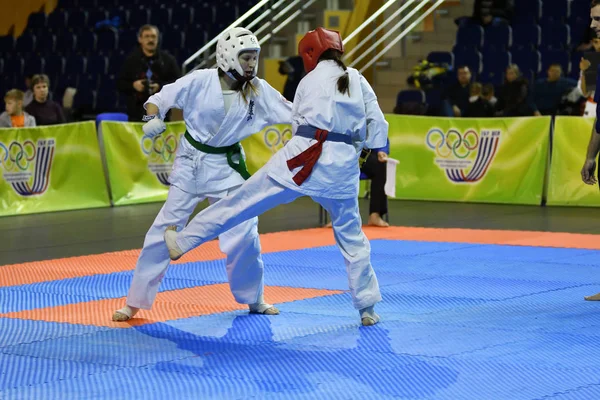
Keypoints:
pixel 569 146
pixel 494 160
pixel 261 146
pixel 138 166
pixel 51 168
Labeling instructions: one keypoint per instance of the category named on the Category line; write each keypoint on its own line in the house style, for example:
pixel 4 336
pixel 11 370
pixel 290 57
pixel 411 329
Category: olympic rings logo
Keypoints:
pixel 452 142
pixel 276 139
pixel 17 156
pixel 160 147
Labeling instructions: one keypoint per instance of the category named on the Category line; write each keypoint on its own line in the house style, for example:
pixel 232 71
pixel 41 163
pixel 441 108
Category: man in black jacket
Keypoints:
pixel 145 71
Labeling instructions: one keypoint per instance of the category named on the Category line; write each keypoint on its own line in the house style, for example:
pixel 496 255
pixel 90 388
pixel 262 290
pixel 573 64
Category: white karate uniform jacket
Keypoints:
pixel 336 173
pixel 200 96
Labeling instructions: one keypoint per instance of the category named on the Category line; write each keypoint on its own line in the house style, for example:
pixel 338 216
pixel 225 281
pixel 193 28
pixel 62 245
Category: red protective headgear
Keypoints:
pixel 315 43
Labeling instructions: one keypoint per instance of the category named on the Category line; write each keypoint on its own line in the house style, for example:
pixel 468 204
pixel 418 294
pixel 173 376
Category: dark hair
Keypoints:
pixel 245 88
pixel 487 90
pixel 463 66
pixel 148 27
pixel 40 78
pixel 343 83
pixel 594 3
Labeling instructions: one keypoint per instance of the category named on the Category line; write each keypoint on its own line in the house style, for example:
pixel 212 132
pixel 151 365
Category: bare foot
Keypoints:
pixel 125 314
pixel 376 220
pixel 595 297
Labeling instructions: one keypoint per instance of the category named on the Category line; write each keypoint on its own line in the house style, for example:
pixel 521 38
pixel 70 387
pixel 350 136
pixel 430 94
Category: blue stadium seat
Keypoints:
pixel 33 65
pixel 37 21
pixel 46 43
pixel 120 12
pixel 86 41
pixel 13 66
pixel 182 15
pixel 527 11
pixel 494 66
pixel 139 16
pixel 84 99
pixel 527 36
pixel 575 59
pixel 499 37
pixel 97 64
pixel 441 57
pixel 469 36
pixel 115 61
pixel 65 42
pixel 433 97
pixel 78 19
pixel 173 39
pixel 25 43
pixel 106 99
pixel 7 44
pixel 54 65
pixel 128 39
pixel 75 65
pixel 107 40
pixel 97 15
pixel 204 14
pixel 225 13
pixel 161 15
pixel 195 38
pixel 87 82
pixel 555 11
pixel 555 36
pixel 58 20
pixel 527 60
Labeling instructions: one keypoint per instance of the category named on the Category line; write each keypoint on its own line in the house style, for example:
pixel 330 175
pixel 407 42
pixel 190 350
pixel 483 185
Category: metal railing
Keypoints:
pixel 369 56
pixel 282 12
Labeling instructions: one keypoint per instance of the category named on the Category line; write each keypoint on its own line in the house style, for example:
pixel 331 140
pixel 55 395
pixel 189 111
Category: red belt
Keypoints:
pixel 308 158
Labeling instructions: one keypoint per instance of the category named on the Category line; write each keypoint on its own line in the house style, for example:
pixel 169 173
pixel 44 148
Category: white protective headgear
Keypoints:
pixel 230 45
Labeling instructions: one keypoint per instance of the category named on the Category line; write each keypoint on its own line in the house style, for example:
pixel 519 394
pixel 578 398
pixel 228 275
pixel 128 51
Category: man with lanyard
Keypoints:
pixel 589 167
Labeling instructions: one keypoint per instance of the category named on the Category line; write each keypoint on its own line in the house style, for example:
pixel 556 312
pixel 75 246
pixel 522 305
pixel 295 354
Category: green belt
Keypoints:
pixel 229 150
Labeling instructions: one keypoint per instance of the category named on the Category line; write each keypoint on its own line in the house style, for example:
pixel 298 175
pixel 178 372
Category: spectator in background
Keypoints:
pixel 486 12
pixel 480 106
pixel 28 95
pixel 14 116
pixel 44 110
pixel 590 105
pixel 293 67
pixel 375 168
pixel 549 91
pixel 456 96
pixel 145 71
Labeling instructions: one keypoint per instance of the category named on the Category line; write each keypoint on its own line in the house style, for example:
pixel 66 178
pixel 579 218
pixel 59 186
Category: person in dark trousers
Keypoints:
pixel 145 71
pixel 375 168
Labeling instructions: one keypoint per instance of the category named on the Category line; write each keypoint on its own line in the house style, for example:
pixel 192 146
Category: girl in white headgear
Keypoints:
pixel 220 107
pixel 335 114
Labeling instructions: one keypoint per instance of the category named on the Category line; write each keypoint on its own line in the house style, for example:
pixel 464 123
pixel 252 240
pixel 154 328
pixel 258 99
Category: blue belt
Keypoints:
pixel 309 132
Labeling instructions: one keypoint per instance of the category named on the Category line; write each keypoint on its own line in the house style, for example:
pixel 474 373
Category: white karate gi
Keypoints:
pixel 334 180
pixel 197 176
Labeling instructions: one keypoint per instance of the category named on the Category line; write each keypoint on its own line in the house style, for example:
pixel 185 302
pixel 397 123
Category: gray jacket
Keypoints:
pixel 6 123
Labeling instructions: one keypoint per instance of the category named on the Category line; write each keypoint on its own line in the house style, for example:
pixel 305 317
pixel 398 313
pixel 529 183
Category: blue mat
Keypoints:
pixel 459 321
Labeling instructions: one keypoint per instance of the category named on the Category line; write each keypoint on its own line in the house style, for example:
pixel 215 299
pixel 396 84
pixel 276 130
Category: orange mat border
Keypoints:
pixel 168 306
pixel 73 267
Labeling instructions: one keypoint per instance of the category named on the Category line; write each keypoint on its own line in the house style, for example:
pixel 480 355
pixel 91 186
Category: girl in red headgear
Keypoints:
pixel 335 114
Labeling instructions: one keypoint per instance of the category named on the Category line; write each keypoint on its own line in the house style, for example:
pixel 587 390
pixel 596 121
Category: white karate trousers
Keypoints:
pixel 261 193
pixel 241 244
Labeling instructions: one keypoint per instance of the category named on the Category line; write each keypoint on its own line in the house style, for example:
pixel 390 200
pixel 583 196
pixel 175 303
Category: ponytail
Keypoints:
pixel 343 82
